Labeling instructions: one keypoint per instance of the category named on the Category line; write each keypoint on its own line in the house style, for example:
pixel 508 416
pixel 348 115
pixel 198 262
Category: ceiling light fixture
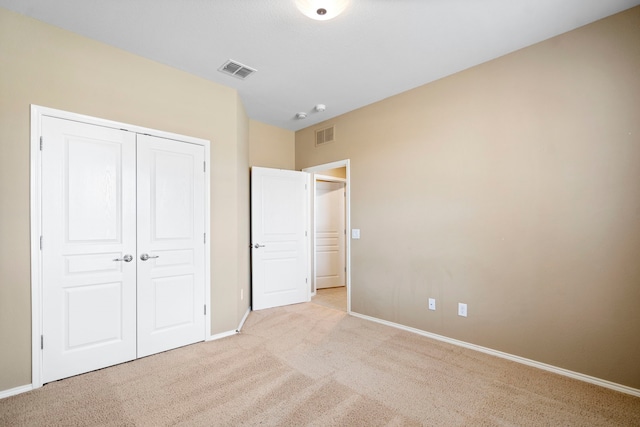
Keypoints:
pixel 321 10
pixel 320 108
pixel 301 116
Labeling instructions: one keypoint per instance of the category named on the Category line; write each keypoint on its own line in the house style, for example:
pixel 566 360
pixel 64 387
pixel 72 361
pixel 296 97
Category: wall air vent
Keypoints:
pixel 325 136
pixel 236 69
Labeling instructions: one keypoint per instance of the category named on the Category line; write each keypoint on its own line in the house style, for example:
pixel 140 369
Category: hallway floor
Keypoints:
pixel 335 298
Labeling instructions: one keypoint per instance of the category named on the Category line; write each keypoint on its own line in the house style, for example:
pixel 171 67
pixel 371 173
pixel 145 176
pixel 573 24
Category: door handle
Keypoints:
pixel 258 245
pixel 145 257
pixel 126 258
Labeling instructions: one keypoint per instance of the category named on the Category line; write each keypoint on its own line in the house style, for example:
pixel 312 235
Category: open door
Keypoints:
pixel 279 233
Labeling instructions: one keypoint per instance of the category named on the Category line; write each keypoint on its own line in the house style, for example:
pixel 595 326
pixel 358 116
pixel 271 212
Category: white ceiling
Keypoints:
pixel 375 49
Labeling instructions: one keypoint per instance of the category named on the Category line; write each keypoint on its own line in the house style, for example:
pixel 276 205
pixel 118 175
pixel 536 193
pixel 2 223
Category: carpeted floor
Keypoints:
pixel 307 364
pixel 332 297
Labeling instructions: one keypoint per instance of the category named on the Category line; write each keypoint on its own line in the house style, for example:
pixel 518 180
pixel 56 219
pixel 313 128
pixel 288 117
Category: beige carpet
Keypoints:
pixel 311 365
pixel 332 297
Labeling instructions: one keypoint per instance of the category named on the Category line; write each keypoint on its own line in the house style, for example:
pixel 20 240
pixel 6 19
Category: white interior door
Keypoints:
pixel 88 235
pixel 279 221
pixel 171 257
pixel 330 232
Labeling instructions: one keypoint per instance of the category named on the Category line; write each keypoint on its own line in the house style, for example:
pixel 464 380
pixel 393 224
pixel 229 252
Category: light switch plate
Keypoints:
pixel 432 303
pixel 355 233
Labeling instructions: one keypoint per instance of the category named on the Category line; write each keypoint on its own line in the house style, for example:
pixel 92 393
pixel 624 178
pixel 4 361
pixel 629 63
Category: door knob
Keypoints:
pixel 258 245
pixel 126 258
pixel 145 257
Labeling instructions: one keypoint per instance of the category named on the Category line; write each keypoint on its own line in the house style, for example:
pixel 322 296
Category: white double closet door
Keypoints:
pixel 123 246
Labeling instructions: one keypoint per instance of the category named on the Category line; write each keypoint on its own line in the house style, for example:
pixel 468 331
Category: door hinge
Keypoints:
pixel 306 280
pixel 40 242
pixel 204 164
pixel 305 186
pixel 41 342
pixel 41 143
pixel 305 234
pixel 205 238
pixel 205 309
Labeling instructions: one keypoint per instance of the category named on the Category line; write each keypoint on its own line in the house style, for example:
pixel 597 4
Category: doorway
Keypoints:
pixel 325 246
pixel 330 232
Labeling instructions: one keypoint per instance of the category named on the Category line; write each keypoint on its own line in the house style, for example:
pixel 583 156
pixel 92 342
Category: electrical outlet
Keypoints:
pixel 462 309
pixel 432 303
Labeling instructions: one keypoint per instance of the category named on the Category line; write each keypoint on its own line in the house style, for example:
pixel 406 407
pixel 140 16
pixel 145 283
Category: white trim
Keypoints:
pixel 328 178
pixel 546 367
pixel 313 253
pixel 221 335
pixel 16 390
pixel 37 112
pixel 244 319
pixel 207 246
pixel 61 114
pixel 36 259
pixel 310 235
pixel 333 165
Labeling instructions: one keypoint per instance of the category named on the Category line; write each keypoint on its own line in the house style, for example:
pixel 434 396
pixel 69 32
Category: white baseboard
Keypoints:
pixel 15 390
pixel 230 333
pixel 244 319
pixel 561 371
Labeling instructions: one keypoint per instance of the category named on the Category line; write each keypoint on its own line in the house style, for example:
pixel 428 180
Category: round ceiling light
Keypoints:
pixel 321 10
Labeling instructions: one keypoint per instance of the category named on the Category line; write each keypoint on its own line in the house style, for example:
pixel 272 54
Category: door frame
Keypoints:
pixel 326 178
pixel 35 208
pixel 313 170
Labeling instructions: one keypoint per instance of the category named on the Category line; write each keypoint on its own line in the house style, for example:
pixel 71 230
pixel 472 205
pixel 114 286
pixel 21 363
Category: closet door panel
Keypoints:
pixel 171 243
pixel 88 227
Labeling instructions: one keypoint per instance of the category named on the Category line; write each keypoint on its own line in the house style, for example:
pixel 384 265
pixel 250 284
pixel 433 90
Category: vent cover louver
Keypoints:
pixel 236 69
pixel 325 136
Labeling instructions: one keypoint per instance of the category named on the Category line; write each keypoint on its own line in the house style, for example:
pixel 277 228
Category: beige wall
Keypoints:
pixel 271 146
pixel 43 65
pixel 514 187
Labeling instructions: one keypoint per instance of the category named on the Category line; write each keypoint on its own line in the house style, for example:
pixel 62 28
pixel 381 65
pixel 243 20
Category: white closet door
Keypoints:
pixel 171 232
pixel 88 228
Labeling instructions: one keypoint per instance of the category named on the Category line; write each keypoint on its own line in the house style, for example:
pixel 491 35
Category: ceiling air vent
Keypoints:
pixel 236 69
pixel 325 136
